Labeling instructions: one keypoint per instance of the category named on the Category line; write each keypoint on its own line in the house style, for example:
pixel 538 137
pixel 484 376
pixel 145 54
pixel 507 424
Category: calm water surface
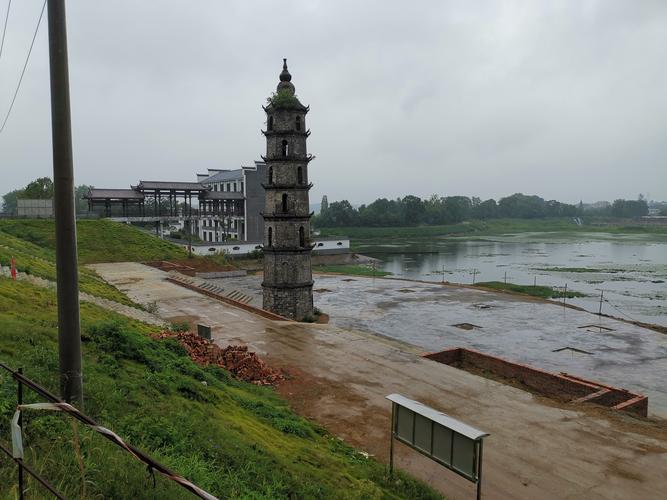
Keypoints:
pixel 631 270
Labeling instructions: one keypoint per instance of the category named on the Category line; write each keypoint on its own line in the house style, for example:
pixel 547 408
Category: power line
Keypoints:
pixel 25 65
pixel 4 30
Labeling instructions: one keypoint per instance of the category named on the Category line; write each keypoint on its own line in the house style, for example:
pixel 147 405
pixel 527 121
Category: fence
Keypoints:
pixel 55 403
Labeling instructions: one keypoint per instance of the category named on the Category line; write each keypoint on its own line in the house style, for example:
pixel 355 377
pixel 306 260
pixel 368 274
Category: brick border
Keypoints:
pixel 578 389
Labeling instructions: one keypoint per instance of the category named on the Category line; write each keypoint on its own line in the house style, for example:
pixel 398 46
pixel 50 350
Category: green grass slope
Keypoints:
pixel 40 261
pixel 233 439
pixel 98 240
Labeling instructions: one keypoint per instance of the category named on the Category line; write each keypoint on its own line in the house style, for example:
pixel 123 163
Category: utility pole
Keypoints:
pixel 69 327
pixel 601 296
pixel 475 272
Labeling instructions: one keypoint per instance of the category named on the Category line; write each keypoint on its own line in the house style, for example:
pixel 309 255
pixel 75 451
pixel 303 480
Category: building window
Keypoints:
pixel 270 124
pixel 284 202
pixel 285 148
pixel 302 237
pixel 242 186
pixel 298 123
pixel 299 175
pixel 270 175
pixel 270 236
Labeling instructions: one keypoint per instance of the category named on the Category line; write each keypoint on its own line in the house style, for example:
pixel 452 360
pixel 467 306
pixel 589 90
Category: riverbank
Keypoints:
pixel 498 227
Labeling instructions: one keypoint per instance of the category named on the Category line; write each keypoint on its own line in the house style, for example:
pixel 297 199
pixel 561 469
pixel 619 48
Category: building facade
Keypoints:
pixel 288 282
pixel 244 184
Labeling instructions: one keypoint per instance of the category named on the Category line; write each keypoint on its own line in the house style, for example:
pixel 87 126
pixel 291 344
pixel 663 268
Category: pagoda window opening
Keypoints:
pixel 299 175
pixel 285 148
pixel 270 175
pixel 270 236
pixel 298 123
pixel 302 237
pixel 270 124
pixel 284 202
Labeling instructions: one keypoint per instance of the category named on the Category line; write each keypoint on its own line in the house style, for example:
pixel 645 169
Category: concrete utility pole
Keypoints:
pixel 69 328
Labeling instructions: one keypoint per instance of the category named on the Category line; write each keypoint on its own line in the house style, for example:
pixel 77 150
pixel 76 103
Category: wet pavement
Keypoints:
pixel 341 375
pixel 543 335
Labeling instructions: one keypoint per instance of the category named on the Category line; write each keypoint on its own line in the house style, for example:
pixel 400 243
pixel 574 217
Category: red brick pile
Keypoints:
pixel 243 364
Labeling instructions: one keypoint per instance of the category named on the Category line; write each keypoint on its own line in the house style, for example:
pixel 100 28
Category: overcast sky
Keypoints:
pixel 564 99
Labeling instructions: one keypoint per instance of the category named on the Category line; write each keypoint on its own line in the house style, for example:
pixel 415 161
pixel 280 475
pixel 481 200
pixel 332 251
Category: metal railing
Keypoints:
pixel 70 410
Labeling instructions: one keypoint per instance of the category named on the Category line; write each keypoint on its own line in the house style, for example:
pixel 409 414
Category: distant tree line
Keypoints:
pixel 41 189
pixel 436 210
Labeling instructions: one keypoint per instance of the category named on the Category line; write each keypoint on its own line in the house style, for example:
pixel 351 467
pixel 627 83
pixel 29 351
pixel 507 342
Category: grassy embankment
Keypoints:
pixel 545 292
pixel 98 240
pixel 40 261
pixel 232 438
pixel 489 228
pixel 32 244
pixel 350 269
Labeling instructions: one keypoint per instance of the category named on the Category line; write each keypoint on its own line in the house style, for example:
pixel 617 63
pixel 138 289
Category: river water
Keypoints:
pixel 629 271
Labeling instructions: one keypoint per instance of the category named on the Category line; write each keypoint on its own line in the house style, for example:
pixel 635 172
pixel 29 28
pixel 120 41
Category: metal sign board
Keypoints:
pixel 444 439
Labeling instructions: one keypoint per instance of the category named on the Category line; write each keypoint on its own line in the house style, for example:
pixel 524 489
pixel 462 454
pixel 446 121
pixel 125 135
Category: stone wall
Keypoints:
pixel 293 303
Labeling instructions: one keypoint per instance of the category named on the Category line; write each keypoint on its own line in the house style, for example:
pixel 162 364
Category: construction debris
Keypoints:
pixel 240 362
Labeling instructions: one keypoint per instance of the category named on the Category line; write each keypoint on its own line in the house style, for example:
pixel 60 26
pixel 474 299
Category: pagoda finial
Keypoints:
pixel 285 80
pixel 285 76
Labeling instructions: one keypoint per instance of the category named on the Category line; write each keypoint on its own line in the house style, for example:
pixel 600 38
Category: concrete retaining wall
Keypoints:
pixel 239 248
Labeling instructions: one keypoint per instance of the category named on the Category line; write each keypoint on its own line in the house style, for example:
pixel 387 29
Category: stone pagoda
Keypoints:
pixel 288 280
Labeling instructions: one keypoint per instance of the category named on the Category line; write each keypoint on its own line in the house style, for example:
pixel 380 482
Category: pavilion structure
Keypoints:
pixel 163 200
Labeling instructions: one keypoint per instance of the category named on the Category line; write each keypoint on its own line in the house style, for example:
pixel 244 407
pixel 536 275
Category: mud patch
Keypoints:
pixel 572 350
pixel 467 326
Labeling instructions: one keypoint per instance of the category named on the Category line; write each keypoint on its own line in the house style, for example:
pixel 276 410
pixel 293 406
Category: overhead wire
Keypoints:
pixel 4 29
pixel 25 65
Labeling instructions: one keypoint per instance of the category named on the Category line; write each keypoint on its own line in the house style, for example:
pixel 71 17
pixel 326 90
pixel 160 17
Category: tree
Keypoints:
pixel 629 208
pixel 487 209
pixel 339 213
pixel 79 202
pixel 413 210
pixel 458 208
pixel 9 201
pixel 39 189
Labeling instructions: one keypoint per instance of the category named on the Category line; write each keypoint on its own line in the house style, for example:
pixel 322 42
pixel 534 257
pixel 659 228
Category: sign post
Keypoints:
pixel 443 439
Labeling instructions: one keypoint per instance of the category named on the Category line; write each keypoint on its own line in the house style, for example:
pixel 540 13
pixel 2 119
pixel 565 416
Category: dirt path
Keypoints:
pixel 340 377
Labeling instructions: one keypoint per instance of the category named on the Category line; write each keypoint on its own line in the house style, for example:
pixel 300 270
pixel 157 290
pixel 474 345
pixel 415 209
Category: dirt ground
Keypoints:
pixel 537 449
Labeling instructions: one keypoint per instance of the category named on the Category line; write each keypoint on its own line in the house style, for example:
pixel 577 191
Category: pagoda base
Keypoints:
pixel 292 302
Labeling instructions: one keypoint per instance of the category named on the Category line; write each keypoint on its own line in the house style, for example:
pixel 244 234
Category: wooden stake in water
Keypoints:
pixel 564 293
pixel 601 295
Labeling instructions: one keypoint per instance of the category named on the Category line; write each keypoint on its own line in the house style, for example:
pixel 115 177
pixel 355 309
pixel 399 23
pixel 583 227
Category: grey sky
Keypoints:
pixel 562 99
